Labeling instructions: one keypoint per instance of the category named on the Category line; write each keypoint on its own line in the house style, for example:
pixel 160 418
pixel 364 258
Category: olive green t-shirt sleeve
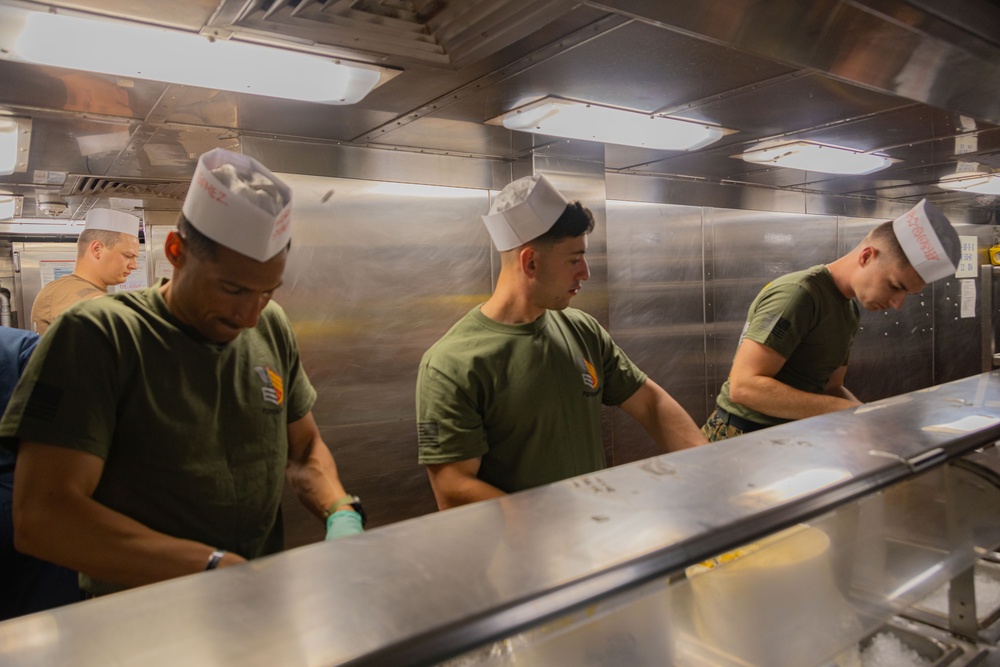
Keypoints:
pixel 781 316
pixel 74 409
pixel 622 378
pixel 449 425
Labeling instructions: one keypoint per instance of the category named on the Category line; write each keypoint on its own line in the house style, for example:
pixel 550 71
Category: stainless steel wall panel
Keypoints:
pixel 657 305
pixel 377 273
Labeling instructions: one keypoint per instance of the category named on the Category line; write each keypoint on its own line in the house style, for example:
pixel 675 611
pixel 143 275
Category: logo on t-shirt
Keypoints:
pixel 273 390
pixel 589 373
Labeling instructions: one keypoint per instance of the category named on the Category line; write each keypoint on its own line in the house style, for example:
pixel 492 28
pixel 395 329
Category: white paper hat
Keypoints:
pixel 524 210
pixel 236 201
pixel 929 241
pixel 112 221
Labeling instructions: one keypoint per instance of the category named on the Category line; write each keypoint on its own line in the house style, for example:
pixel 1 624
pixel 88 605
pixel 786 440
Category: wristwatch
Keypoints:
pixel 353 501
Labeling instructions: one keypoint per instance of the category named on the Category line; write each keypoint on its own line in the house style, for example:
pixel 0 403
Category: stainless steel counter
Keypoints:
pixel 427 589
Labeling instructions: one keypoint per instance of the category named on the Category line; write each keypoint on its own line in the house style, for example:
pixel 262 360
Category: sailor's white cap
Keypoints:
pixel 524 210
pixel 929 241
pixel 112 221
pixel 236 201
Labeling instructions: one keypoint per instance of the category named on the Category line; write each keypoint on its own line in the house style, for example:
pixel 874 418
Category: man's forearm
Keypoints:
pixel 106 545
pixel 456 493
pixel 777 399
pixel 676 428
pixel 663 418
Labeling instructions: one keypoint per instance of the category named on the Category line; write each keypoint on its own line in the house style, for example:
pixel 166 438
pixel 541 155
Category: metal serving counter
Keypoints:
pixel 433 589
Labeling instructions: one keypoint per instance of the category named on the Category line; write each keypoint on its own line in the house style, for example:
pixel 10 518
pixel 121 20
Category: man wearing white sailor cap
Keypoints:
pixel 792 358
pixel 106 253
pixel 156 427
pixel 510 397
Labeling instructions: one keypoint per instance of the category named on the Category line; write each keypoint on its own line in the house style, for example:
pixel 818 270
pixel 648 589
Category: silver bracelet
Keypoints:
pixel 213 560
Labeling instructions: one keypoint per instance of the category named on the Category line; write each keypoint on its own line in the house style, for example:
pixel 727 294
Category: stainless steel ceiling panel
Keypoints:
pixel 812 181
pixel 188 14
pixel 791 105
pixel 456 136
pixel 784 107
pixel 890 49
pixel 631 67
pixel 975 18
pixel 886 48
pixel 255 113
pixel 783 68
pixel 82 92
pixel 912 127
pixel 635 67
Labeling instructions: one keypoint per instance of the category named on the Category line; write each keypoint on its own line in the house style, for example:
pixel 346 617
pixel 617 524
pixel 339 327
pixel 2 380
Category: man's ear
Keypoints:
pixel 867 255
pixel 527 257
pixel 174 249
pixel 95 249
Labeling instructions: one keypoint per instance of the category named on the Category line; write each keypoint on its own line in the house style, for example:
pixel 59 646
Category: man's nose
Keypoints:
pixel 248 311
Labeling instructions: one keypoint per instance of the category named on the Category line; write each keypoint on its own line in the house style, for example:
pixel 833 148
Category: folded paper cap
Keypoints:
pixel 929 241
pixel 524 210
pixel 112 221
pixel 236 201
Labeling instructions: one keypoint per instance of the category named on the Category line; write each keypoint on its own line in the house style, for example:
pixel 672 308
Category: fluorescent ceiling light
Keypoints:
pixel 810 156
pixel 146 52
pixel 974 181
pixel 593 122
pixel 15 135
pixel 10 206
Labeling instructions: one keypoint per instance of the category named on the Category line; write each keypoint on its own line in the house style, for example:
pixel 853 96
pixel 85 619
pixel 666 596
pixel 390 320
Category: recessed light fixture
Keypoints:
pixel 974 181
pixel 10 206
pixel 811 156
pixel 594 122
pixel 134 50
pixel 15 135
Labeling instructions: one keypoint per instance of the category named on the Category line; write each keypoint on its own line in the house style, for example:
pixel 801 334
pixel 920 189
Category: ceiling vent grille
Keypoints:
pixel 139 188
pixel 441 33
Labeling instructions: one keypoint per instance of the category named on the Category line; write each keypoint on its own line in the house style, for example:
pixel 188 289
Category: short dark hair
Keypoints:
pixel 885 237
pixel 201 246
pixel 107 237
pixel 576 220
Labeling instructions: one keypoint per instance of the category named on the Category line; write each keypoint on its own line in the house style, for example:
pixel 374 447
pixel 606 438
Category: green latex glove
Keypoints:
pixel 342 524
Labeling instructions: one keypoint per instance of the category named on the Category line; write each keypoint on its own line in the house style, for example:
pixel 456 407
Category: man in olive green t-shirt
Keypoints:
pixel 156 429
pixel 792 356
pixel 510 397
